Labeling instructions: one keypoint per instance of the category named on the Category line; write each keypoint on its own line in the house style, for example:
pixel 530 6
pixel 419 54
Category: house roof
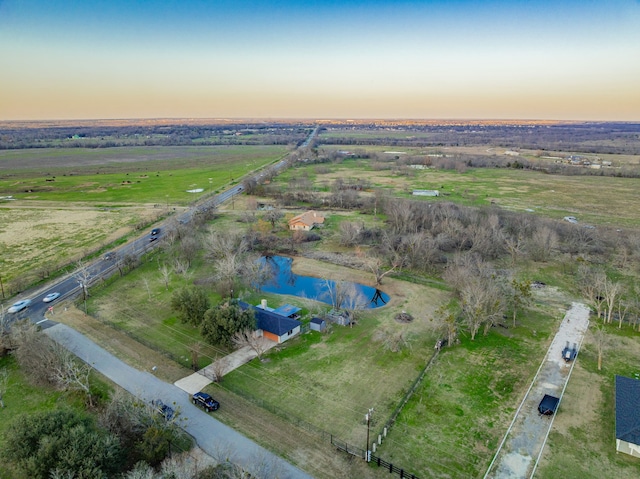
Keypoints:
pixel 628 409
pixel 286 310
pixel 271 322
pixel 317 320
pixel 308 218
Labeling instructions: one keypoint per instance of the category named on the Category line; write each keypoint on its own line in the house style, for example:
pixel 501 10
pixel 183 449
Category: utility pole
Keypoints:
pixel 368 419
pixel 1 287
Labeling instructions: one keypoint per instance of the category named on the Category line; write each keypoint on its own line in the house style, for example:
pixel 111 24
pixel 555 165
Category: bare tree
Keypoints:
pixel 218 368
pixel 446 323
pixel 273 216
pixel 349 233
pixel 542 243
pixel 165 273
pixel 591 282
pixel 601 340
pixel 611 291
pixel 249 338
pixel 195 350
pixel 70 373
pixel 481 303
pixel 180 267
pixel 514 246
pixel 374 264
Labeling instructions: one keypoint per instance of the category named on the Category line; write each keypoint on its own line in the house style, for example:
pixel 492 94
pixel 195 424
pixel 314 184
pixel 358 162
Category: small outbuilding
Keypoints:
pixel 318 324
pixel 548 405
pixel 627 391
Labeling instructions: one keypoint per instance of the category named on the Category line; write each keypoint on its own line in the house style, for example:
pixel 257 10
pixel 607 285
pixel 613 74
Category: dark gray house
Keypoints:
pixel 627 393
pixel 273 326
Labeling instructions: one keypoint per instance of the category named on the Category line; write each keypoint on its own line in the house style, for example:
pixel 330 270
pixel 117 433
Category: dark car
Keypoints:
pixel 166 411
pixel 205 401
pixel 155 231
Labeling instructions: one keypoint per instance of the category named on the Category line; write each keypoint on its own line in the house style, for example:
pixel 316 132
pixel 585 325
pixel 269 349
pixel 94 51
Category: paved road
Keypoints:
pixel 525 439
pixel 215 438
pixel 72 285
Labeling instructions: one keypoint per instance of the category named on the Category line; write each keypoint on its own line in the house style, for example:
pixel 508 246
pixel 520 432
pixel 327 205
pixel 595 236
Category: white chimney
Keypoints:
pixel 263 304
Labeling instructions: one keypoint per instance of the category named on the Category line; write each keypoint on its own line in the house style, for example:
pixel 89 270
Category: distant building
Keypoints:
pixel 426 193
pixel 306 221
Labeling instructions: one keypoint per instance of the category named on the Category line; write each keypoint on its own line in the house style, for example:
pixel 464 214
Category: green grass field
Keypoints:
pixel 589 198
pixel 126 175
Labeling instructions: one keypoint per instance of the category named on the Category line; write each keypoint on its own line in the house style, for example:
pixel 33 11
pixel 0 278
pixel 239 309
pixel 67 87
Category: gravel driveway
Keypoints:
pixel 215 438
pixel 518 455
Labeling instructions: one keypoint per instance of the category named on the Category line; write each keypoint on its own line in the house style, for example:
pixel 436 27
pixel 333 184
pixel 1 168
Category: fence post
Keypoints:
pixel 379 439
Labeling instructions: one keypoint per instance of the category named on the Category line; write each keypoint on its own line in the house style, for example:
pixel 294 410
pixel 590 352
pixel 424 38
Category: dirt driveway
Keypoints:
pixel 520 450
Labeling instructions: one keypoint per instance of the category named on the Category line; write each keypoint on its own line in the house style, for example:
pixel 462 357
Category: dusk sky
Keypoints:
pixel 457 59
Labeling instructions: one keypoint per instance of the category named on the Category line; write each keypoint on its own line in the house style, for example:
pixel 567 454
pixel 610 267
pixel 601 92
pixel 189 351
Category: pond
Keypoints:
pixel 342 294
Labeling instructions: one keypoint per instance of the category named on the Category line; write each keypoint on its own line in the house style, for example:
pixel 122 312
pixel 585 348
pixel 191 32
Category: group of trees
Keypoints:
pixel 218 324
pixel 65 442
pixel 108 136
pixel 584 137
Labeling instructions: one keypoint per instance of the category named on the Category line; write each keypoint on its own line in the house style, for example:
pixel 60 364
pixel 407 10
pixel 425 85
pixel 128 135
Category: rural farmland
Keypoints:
pixel 495 232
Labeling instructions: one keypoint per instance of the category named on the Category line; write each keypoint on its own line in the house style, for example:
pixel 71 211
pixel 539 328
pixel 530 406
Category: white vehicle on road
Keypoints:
pixel 50 297
pixel 19 306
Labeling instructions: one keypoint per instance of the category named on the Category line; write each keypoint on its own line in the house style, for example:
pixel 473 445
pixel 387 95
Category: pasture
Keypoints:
pixel 591 199
pixel 66 203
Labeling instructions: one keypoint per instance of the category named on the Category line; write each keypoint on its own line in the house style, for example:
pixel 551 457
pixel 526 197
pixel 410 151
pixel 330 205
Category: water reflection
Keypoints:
pixel 342 294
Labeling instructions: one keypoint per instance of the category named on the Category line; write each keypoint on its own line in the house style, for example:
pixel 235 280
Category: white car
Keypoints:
pixel 19 306
pixel 50 297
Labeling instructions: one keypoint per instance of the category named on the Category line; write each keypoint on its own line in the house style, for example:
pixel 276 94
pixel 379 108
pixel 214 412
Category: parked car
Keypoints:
pixel 19 306
pixel 205 401
pixel 166 411
pixel 51 297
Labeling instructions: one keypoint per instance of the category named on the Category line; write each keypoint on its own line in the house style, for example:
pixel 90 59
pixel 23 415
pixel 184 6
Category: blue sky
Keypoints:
pixel 311 59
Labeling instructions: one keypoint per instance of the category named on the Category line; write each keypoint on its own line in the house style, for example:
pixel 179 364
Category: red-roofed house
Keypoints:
pixel 305 221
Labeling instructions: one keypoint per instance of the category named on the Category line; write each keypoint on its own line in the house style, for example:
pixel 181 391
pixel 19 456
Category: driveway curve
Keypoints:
pixel 215 438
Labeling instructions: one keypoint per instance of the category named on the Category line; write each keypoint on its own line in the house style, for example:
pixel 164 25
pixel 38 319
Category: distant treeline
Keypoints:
pixel 595 138
pixel 152 135
pixel 605 137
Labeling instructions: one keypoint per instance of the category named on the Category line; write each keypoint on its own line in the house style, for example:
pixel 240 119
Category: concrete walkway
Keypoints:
pixel 522 446
pixel 196 381
pixel 216 439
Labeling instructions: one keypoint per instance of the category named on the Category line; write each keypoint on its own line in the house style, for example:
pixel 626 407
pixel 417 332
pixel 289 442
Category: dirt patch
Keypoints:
pixel 581 409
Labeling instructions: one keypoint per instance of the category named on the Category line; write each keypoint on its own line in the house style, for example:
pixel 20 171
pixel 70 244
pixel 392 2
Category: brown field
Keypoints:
pixel 40 234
